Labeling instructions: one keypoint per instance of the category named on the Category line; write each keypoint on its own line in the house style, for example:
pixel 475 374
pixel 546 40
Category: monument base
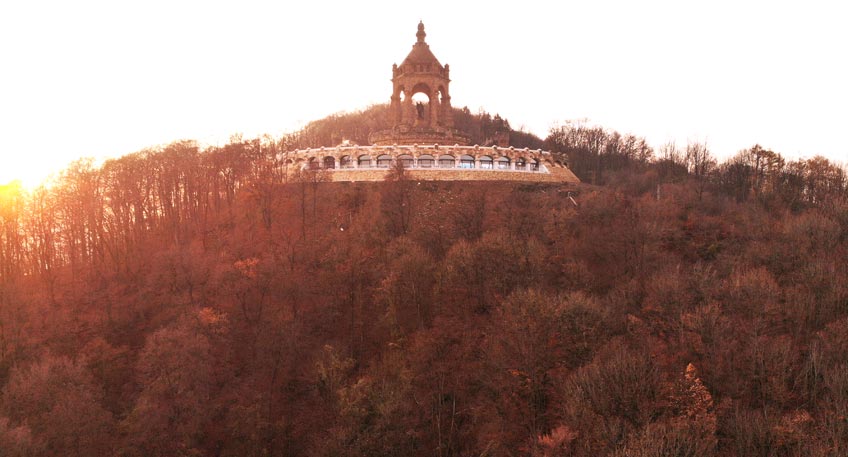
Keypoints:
pixel 416 135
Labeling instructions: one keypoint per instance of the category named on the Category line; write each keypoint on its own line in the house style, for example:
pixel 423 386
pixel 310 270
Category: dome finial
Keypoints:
pixel 421 34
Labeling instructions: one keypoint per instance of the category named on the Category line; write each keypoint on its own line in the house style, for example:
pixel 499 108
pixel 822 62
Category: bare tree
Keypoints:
pixel 700 163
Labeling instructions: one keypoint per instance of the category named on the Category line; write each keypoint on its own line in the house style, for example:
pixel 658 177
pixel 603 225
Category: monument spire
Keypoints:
pixel 421 34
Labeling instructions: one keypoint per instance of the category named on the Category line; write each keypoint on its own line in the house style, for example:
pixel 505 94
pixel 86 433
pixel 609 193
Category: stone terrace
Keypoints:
pixel 433 162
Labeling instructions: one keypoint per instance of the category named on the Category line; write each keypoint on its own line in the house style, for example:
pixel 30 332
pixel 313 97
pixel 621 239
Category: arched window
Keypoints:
pixel 384 161
pixel 345 162
pixel 329 162
pixel 447 161
pixel 466 161
pixel 520 163
pixel 486 162
pixel 426 161
pixel 365 161
pixel 313 163
pixel 534 165
pixel 406 160
pixel 503 163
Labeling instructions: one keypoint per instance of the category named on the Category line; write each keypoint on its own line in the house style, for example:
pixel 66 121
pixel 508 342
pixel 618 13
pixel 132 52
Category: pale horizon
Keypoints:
pixel 97 79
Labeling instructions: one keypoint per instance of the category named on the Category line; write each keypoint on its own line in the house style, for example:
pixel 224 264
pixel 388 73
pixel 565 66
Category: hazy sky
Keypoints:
pixel 105 78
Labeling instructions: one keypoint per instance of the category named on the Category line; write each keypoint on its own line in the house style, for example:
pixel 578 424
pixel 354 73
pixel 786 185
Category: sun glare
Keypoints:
pixel 10 193
pixel 31 172
pixel 23 177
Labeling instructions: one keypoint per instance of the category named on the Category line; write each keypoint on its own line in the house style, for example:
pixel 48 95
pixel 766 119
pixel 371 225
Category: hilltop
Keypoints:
pixel 355 127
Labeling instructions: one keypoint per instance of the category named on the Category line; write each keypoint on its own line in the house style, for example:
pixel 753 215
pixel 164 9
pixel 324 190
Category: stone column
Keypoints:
pixel 408 115
pixel 396 110
pixel 434 108
pixel 447 120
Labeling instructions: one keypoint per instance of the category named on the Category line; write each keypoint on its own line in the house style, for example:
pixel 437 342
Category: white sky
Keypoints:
pixel 105 78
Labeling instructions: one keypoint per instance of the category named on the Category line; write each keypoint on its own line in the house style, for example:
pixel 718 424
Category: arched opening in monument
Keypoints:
pixel 486 162
pixel 466 161
pixel 503 163
pixel 447 161
pixel 534 165
pixel 329 162
pixel 345 162
pixel 313 164
pixel 426 161
pixel 520 163
pixel 406 160
pixel 384 161
pixel 421 105
pixel 364 161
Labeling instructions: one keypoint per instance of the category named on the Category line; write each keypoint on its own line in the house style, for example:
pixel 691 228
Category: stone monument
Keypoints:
pixel 429 122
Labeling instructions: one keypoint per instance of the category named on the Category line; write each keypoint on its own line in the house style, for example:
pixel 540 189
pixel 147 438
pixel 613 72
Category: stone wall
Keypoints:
pixel 455 174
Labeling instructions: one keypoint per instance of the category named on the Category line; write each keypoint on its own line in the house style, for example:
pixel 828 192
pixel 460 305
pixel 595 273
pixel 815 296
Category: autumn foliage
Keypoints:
pixel 184 301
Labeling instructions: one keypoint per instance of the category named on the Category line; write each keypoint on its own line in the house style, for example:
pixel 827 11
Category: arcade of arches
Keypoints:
pixel 432 162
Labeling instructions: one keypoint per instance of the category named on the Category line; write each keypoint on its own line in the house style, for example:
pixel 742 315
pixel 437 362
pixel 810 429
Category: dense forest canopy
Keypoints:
pixel 182 301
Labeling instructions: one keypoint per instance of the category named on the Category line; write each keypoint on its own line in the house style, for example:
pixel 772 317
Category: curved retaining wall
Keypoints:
pixel 433 162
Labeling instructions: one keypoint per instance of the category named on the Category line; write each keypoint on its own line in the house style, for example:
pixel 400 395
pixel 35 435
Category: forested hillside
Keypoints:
pixel 188 302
